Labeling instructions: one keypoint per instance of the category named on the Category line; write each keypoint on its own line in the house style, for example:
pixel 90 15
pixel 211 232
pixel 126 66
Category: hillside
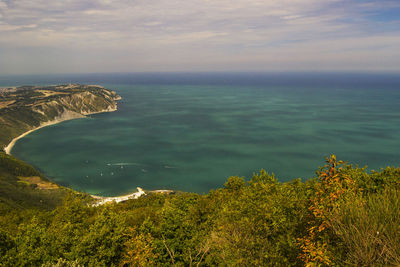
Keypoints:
pixel 23 187
pixel 28 107
pixel 345 216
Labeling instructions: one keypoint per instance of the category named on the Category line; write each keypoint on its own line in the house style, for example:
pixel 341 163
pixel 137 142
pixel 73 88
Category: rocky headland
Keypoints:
pixel 28 108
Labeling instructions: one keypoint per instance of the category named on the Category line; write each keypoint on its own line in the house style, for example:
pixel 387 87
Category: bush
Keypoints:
pixel 369 229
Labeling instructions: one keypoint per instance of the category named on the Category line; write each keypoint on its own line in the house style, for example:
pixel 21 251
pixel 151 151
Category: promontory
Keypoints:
pixel 27 108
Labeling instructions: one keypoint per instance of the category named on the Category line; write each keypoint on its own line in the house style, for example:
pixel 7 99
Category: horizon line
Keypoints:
pixel 359 72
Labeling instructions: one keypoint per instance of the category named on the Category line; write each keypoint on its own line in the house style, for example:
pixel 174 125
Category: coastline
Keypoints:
pixel 104 200
pixel 66 116
pixel 10 146
pixel 70 115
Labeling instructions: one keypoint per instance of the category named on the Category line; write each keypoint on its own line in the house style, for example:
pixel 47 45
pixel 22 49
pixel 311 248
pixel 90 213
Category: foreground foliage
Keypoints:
pixel 344 216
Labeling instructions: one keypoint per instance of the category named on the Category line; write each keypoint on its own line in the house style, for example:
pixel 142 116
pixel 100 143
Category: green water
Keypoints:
pixel 192 138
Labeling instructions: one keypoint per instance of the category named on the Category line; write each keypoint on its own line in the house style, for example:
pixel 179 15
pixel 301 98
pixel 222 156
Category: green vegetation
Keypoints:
pixel 345 216
pixel 18 193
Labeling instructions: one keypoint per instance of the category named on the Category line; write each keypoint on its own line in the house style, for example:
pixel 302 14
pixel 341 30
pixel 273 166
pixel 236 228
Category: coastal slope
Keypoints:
pixel 24 187
pixel 28 108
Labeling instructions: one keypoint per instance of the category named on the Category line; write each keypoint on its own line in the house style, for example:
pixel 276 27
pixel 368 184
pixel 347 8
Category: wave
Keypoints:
pixel 125 164
pixel 169 167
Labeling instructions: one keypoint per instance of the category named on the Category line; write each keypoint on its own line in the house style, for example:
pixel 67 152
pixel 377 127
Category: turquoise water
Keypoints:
pixel 192 137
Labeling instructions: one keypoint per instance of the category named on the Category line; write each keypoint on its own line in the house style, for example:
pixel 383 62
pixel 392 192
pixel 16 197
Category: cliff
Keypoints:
pixel 28 108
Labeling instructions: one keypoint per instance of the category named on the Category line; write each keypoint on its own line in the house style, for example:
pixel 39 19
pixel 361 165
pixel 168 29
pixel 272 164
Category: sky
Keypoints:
pixel 82 36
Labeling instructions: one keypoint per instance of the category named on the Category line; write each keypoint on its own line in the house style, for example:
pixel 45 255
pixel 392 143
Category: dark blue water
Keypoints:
pixel 191 131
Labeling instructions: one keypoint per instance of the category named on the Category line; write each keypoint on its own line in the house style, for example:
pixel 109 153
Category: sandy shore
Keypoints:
pixel 65 117
pixel 104 200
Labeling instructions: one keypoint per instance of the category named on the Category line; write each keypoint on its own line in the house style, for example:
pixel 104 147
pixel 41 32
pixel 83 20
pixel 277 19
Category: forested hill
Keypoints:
pixel 28 107
pixel 345 216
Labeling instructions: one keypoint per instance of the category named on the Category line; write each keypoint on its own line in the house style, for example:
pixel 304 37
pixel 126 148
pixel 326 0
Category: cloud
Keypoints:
pixel 187 34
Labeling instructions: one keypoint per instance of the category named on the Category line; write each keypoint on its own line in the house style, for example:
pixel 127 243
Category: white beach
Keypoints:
pixel 64 117
pixel 105 200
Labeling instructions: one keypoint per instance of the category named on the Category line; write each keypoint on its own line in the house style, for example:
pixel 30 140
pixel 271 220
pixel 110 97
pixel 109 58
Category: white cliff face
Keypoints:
pixel 67 115
pixel 84 103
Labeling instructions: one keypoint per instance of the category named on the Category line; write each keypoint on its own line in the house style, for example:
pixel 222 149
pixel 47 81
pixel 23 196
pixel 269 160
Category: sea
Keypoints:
pixel 192 131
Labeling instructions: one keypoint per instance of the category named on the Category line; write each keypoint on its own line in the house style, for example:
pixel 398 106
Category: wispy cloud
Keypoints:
pixel 159 35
